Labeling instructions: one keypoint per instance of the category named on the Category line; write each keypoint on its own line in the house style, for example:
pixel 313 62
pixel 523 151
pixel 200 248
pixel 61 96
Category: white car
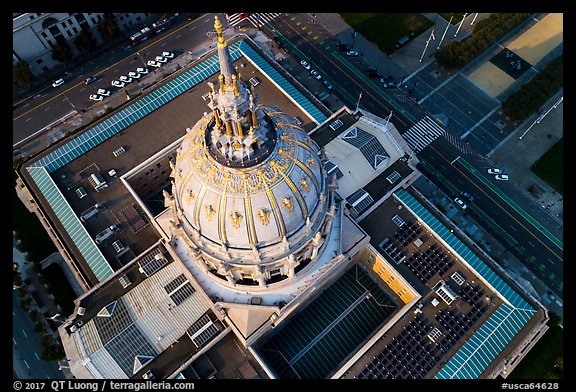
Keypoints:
pixel 103 92
pixel 135 75
pixel 168 55
pixel 126 79
pixel 153 63
pixel 493 170
pixel 161 59
pixel 460 203
pixel 96 97
pixel 315 73
pixel 118 83
pixel 501 177
pixel 305 65
pixel 58 82
pixel 352 53
pixel 142 71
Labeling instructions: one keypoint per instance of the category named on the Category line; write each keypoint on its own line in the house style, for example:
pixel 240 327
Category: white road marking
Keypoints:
pixel 24 332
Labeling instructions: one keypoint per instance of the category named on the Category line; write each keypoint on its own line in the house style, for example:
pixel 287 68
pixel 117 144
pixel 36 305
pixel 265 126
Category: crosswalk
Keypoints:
pixel 257 19
pixel 425 131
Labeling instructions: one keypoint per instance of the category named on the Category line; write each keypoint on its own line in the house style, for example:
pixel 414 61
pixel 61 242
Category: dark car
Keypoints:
pixel 467 196
pixel 90 79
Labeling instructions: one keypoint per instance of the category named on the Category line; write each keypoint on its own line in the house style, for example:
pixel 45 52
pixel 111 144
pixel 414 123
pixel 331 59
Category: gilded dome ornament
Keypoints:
pixel 236 218
pixel 304 185
pixel 288 203
pixel 210 211
pixel 264 215
pixel 189 195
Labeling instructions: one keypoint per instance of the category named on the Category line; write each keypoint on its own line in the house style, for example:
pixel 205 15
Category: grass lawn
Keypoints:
pixel 385 30
pixel 550 167
pixel 539 362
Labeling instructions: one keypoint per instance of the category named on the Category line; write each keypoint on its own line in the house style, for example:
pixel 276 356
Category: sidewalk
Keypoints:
pixel 519 155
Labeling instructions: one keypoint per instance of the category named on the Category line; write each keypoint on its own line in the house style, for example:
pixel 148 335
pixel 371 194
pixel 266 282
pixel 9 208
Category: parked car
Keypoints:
pixel 96 97
pixel 90 79
pixel 168 55
pixel 328 85
pixel 58 83
pixel 142 71
pixel 460 203
pixel 467 196
pixel 126 79
pixel 389 84
pixel 153 63
pixel 352 53
pixel 501 177
pixel 135 75
pixel 315 73
pixel 103 92
pixel 161 59
pixel 494 170
pixel 305 64
pixel 118 83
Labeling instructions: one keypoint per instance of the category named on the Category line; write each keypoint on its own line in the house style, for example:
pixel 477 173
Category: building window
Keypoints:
pixel 158 164
pixel 39 61
pixel 43 34
pixel 31 17
pixel 138 19
pixel 275 272
pixel 75 30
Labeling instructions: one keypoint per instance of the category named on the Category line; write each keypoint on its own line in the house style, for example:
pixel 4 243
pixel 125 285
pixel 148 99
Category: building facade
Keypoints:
pixel 34 34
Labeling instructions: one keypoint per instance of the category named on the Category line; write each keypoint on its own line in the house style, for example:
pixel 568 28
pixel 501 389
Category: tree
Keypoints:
pixel 21 74
pixel 61 51
pixel 108 28
pixel 85 41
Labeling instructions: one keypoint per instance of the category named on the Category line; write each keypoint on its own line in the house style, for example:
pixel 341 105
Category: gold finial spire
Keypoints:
pixel 218 27
pixel 235 85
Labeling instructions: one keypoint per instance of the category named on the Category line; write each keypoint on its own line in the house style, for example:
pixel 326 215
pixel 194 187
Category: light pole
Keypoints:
pixel 427 42
pixel 358 103
pixel 70 102
pixel 445 31
pixel 54 318
pixel 460 25
pixel 474 19
pixel 139 55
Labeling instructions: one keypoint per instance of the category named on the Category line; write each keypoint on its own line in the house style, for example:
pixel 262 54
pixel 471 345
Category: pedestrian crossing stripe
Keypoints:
pixel 422 134
pixel 257 19
pixel 426 131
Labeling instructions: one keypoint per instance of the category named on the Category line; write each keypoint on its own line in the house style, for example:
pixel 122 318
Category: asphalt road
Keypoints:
pixel 52 104
pixel 27 349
